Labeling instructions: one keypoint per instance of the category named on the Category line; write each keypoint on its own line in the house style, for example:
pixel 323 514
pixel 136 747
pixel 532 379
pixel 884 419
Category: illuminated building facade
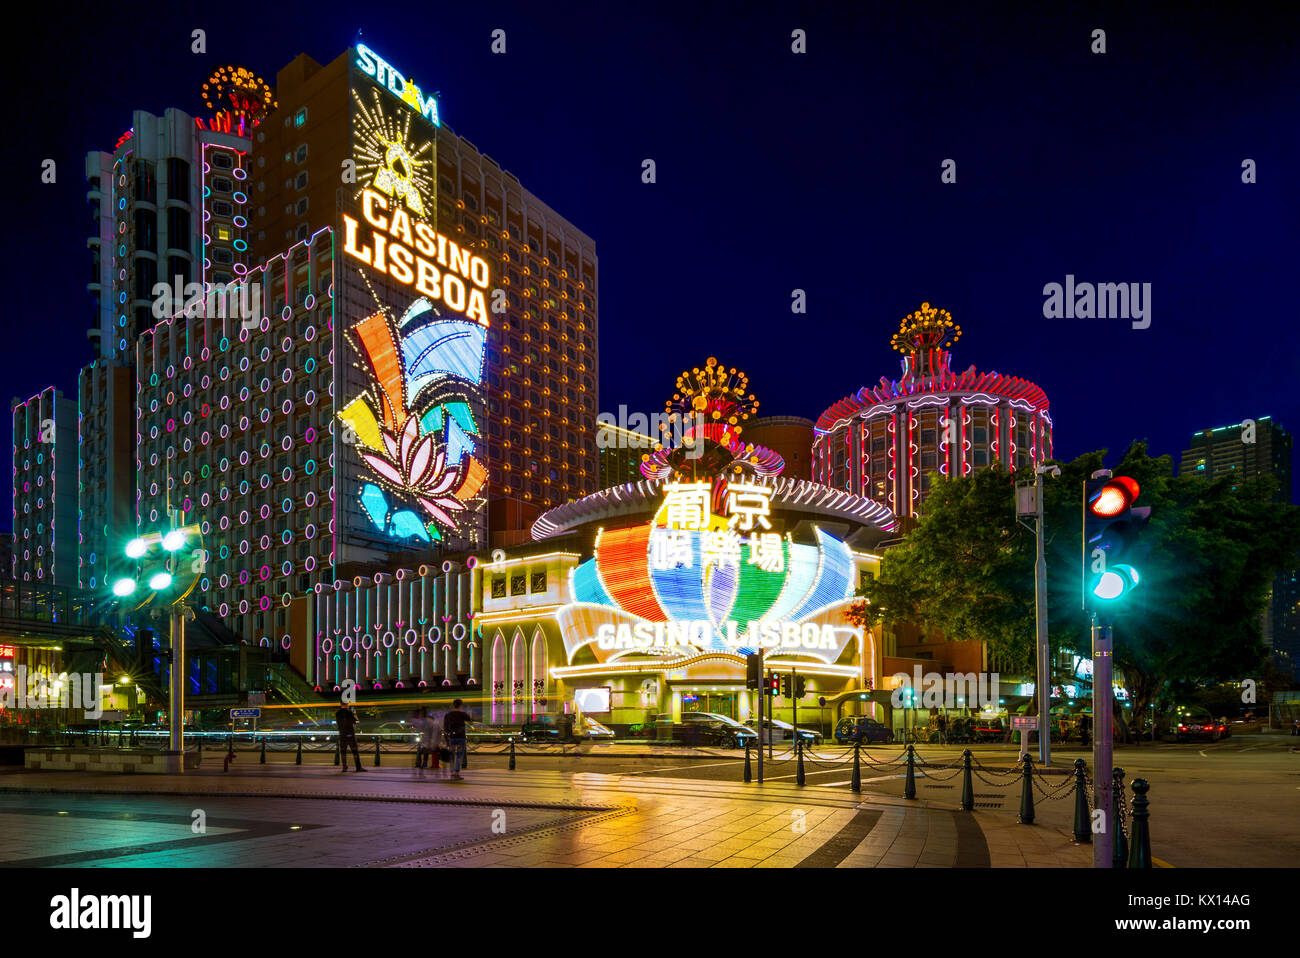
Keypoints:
pixel 645 598
pixel 540 375
pixel 45 489
pixel 171 209
pixel 884 441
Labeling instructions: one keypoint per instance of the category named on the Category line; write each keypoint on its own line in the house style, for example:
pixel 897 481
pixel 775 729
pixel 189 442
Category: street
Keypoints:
pixel 1231 804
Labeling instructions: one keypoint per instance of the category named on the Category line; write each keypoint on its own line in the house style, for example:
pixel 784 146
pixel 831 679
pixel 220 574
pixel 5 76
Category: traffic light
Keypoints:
pixel 798 686
pixel 785 686
pixel 1111 528
pixel 773 685
pixel 753 671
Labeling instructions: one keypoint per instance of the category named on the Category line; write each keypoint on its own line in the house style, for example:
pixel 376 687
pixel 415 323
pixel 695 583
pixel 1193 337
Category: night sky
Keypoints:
pixel 778 172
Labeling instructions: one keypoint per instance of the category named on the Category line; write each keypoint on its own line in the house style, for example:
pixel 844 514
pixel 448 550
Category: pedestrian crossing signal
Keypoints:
pixel 1111 528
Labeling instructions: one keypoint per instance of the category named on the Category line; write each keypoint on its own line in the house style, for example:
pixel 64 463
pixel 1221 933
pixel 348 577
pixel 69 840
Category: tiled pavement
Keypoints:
pixel 496 818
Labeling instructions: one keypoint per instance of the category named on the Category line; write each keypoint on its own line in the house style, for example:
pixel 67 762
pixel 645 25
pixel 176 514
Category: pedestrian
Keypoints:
pixel 453 724
pixel 431 740
pixel 419 723
pixel 942 724
pixel 1085 725
pixel 347 725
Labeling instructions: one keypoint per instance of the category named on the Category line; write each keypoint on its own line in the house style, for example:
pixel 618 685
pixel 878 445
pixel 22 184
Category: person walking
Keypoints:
pixel 346 720
pixel 942 724
pixel 431 742
pixel 453 724
pixel 1085 726
pixel 418 723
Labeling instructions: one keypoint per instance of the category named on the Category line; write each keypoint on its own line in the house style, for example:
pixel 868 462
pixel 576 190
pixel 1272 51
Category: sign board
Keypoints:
pixel 822 701
pixel 245 713
pixel 1024 723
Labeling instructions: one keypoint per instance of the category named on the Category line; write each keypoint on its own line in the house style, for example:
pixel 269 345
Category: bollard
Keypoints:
pixel 749 773
pixel 1027 794
pixel 298 758
pixel 909 788
pixel 338 748
pixel 1139 854
pixel 798 752
pixel 1082 823
pixel 262 758
pixel 512 753
pixel 376 751
pixel 856 784
pixel 1119 848
pixel 967 786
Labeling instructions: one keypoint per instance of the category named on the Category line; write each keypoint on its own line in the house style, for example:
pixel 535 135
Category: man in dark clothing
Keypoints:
pixel 453 724
pixel 1085 727
pixel 942 722
pixel 347 723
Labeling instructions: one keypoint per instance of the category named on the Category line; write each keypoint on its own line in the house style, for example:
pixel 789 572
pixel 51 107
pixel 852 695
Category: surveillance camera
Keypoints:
pixel 1053 471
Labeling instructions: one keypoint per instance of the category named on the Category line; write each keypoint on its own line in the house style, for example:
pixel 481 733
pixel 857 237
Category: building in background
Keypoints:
pixel 884 441
pixel 45 489
pixel 619 453
pixel 369 329
pixel 1251 449
pixel 791 436
pixel 170 207
pixel 540 375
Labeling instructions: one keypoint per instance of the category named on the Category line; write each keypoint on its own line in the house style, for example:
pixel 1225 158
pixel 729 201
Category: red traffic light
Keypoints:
pixel 1114 497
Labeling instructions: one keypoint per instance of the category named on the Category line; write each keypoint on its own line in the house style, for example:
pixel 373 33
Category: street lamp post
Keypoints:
pixel 161 551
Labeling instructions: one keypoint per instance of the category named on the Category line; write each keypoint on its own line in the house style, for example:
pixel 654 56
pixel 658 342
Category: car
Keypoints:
pixel 1198 724
pixel 784 731
pixel 708 728
pixel 860 728
pixel 987 730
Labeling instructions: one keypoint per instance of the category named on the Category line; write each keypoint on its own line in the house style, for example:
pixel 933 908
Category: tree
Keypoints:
pixel 967 570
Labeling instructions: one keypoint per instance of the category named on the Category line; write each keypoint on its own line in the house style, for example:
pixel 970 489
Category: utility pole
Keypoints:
pixel 1103 743
pixel 762 694
pixel 1043 686
pixel 794 699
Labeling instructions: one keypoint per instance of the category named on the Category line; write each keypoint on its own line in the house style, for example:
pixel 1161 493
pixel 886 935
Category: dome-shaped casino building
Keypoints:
pixel 644 599
pixel 885 440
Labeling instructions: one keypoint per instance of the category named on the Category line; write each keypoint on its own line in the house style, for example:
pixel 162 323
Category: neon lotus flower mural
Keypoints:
pixel 414 426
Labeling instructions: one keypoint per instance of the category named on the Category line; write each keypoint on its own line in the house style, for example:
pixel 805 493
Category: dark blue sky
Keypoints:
pixel 776 172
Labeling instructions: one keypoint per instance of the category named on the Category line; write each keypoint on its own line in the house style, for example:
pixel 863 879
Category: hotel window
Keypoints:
pixel 300 181
pixel 300 117
pixel 222 184
pixel 222 208
pixel 300 154
pixel 224 233
pixel 303 232
pixel 222 160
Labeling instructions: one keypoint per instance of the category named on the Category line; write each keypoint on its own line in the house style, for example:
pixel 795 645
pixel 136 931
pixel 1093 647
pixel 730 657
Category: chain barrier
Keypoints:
pixel 924 774
pixel 1052 794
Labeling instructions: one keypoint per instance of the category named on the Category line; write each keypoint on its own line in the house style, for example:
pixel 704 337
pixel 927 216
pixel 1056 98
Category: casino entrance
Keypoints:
pixel 731 700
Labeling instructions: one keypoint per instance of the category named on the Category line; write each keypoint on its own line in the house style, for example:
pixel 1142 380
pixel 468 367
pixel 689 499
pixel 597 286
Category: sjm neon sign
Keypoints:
pixel 373 65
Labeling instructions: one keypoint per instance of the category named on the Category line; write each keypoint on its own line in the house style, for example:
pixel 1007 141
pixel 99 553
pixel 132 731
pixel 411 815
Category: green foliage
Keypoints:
pixel 967 569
